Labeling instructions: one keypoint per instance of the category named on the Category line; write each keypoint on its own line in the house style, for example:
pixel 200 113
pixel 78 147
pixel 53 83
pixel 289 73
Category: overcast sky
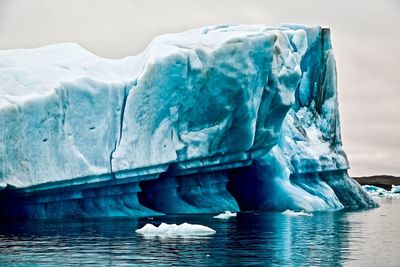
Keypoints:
pixel 366 42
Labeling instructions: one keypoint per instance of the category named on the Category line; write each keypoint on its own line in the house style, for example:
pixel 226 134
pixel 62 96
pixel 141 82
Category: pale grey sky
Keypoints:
pixel 366 41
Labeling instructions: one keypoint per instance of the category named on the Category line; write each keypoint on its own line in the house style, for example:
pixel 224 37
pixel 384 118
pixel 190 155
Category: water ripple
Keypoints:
pixel 267 239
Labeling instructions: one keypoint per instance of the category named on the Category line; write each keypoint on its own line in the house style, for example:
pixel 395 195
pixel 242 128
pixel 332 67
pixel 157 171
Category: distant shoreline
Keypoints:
pixel 383 181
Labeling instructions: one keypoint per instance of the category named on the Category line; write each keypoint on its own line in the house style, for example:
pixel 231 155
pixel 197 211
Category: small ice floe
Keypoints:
pixel 226 215
pixel 381 192
pixel 374 190
pixel 395 189
pixel 173 230
pixel 296 213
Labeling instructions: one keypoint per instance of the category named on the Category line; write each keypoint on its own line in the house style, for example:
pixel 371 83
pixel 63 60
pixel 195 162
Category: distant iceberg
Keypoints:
pixel 395 189
pixel 381 192
pixel 226 215
pixel 173 230
pixel 227 117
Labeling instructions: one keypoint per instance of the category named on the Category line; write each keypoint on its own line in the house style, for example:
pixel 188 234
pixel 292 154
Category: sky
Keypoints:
pixel 365 37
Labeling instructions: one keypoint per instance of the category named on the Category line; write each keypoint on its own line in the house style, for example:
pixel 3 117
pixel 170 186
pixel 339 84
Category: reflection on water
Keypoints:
pixel 328 239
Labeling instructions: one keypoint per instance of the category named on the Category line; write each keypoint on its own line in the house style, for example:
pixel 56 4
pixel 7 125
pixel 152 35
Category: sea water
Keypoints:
pixel 351 238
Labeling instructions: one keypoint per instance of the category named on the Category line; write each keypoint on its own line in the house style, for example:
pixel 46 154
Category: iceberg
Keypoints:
pixel 226 117
pixel 381 192
pixel 225 216
pixel 173 230
pixel 374 190
pixel 395 189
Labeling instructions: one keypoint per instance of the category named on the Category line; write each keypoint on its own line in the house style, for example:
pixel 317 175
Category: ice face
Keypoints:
pixel 191 106
pixel 210 91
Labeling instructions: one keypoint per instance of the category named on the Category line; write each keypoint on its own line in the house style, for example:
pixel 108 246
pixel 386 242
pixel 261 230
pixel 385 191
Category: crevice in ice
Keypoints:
pixel 63 95
pixel 121 124
pixel 321 89
pixel 111 157
pixel 122 113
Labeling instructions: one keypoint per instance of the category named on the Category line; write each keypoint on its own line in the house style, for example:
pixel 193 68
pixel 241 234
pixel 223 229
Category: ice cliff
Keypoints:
pixel 212 119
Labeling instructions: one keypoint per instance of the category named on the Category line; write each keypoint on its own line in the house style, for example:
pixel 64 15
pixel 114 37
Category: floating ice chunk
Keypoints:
pixel 226 215
pixel 381 192
pixel 296 213
pixel 184 229
pixel 374 190
pixel 395 189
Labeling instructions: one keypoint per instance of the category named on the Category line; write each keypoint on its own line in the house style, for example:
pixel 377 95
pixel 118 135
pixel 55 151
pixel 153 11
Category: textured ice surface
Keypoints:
pixel 296 213
pixel 66 113
pixel 191 106
pixel 226 215
pixel 173 230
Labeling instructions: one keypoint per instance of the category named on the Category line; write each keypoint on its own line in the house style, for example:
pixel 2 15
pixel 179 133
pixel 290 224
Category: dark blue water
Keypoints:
pixel 366 238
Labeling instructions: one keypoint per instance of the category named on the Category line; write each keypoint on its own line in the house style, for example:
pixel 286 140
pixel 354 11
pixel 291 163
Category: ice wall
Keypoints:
pixel 200 102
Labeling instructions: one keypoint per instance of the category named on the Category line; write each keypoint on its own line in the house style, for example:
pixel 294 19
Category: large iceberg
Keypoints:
pixel 219 118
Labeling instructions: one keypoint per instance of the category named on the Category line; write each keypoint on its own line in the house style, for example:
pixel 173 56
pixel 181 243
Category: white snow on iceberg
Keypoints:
pixel 173 230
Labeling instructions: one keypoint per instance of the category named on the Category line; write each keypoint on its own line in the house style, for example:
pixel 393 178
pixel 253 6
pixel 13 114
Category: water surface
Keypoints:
pixel 362 238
